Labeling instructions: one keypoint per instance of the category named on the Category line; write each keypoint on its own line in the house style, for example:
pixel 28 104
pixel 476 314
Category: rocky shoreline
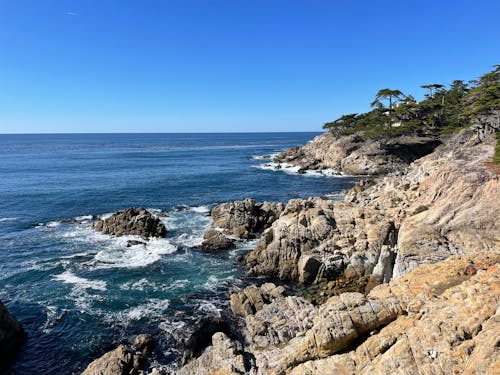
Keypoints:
pixel 401 276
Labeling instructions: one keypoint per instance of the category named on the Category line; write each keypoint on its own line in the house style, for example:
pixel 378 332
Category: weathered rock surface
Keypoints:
pixel 317 240
pixel 252 298
pixel 12 335
pixel 354 155
pixel 124 360
pixel 446 203
pixel 245 219
pixel 223 357
pixel 438 319
pixel 214 240
pixel 131 221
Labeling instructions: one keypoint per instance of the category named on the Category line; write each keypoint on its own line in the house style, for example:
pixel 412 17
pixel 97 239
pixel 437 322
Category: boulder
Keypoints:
pixel 214 240
pixel 196 338
pixel 121 361
pixel 132 221
pixel 12 335
pixel 252 298
pixel 223 357
pixel 245 219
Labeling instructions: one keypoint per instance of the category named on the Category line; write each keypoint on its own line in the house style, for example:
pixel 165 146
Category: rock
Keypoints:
pixel 12 335
pixel 353 155
pixel 245 219
pixel 144 343
pixel 120 361
pixel 317 240
pixel 131 221
pixel 213 240
pixel 131 243
pixel 439 318
pixel 223 357
pixel 252 299
pixel 198 337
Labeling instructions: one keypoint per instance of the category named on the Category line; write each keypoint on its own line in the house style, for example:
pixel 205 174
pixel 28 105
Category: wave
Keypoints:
pixel 144 284
pixel 153 309
pixel 296 170
pixel 265 156
pixel 4 219
pixel 68 277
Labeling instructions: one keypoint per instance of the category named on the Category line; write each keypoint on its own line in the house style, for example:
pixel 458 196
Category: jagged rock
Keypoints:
pixel 197 338
pixel 279 322
pixel 252 299
pixel 121 361
pixel 245 219
pixel 318 240
pixel 144 343
pixel 213 240
pixel 439 318
pixel 452 326
pixel 223 357
pixel 12 335
pixel 354 155
pixel 131 221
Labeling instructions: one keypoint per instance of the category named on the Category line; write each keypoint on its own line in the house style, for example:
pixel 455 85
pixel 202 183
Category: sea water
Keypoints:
pixel 78 292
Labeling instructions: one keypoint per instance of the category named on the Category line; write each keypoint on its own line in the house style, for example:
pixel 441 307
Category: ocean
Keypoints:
pixel 79 293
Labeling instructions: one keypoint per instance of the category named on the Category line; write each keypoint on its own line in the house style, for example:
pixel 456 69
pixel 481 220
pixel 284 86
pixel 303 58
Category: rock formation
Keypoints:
pixel 442 206
pixel 439 318
pixel 245 219
pixel 124 360
pixel 131 221
pixel 12 335
pixel 214 240
pixel 356 156
pixel 252 298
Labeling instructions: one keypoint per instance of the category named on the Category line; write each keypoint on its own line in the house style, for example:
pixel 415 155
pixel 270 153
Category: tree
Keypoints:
pixel 431 87
pixel 340 125
pixel 392 96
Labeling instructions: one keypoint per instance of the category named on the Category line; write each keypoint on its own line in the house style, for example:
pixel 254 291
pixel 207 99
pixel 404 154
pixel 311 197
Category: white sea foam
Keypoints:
pixel 294 169
pixel 145 284
pixel 200 209
pixel 118 255
pixel 4 219
pixel 265 157
pixel 69 277
pixel 153 309
pixel 53 316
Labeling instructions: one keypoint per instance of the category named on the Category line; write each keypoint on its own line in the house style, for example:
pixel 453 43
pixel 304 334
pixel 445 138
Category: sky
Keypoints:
pixel 85 66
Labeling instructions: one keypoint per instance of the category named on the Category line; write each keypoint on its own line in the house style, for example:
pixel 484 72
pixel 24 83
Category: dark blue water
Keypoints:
pixel 77 292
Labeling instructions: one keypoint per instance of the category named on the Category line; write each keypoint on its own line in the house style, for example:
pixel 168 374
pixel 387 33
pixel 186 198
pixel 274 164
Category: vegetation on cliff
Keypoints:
pixel 443 110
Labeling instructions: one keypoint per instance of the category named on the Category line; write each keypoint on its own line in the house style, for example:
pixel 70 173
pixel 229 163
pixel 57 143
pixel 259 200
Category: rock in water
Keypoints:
pixel 12 335
pixel 245 219
pixel 213 240
pixel 124 360
pixel 132 221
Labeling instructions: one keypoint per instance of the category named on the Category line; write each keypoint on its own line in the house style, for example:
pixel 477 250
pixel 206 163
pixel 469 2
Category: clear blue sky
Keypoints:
pixel 227 65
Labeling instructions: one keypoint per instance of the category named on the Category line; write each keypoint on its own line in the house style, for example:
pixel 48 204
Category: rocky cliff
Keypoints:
pixel 354 155
pixel 446 203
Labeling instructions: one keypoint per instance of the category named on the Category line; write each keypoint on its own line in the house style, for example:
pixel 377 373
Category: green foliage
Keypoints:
pixel 496 156
pixel 443 111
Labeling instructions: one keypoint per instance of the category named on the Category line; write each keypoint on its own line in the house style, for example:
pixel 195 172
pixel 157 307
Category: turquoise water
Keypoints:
pixel 79 293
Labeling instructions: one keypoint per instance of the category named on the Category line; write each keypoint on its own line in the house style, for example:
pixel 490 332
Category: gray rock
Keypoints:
pixel 213 241
pixel 132 221
pixel 245 219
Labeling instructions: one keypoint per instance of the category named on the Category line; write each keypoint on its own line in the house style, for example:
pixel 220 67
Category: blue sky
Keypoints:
pixel 227 65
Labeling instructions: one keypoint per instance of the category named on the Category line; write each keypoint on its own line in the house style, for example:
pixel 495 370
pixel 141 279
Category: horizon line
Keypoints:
pixel 221 132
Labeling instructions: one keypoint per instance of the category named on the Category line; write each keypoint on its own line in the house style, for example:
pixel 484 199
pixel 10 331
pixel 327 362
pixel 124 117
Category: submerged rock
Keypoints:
pixel 131 221
pixel 12 335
